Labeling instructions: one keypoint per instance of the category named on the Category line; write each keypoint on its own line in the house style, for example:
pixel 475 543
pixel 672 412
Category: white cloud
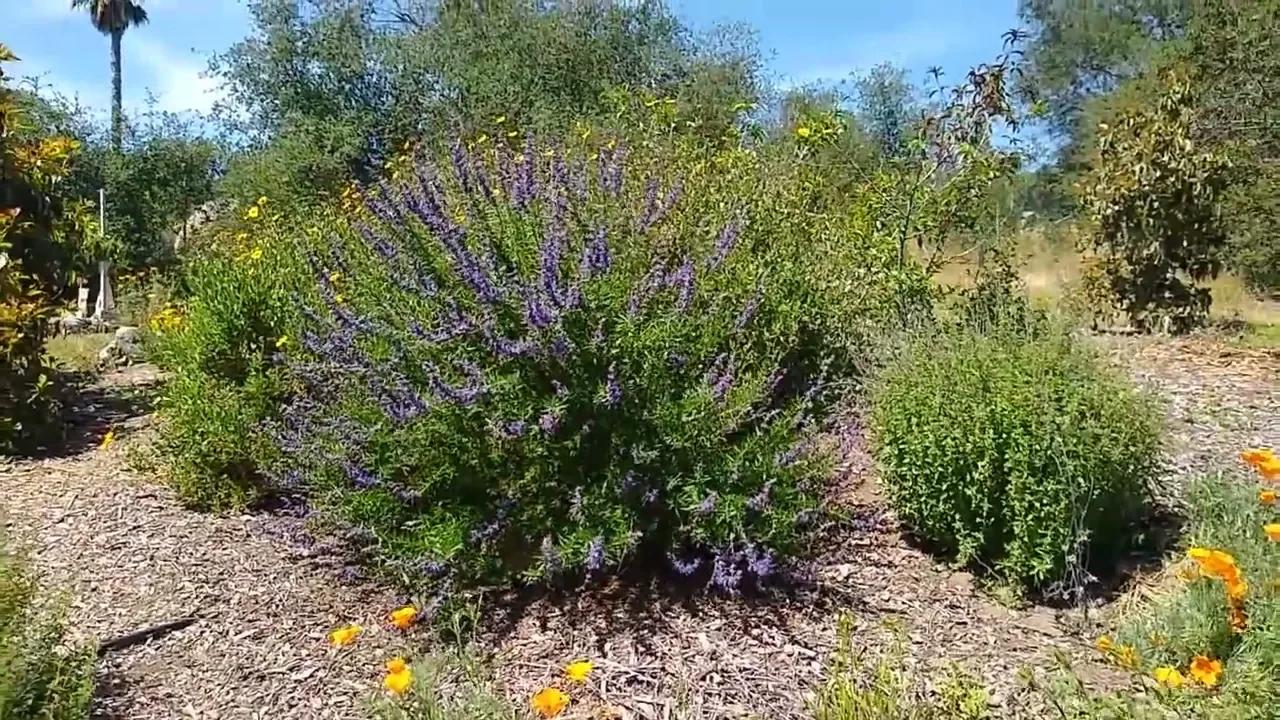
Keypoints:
pixel 178 81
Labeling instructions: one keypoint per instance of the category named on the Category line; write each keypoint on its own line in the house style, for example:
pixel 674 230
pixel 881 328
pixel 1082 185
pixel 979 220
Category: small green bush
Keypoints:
pixel 222 351
pixel 41 676
pixel 885 689
pixel 1015 452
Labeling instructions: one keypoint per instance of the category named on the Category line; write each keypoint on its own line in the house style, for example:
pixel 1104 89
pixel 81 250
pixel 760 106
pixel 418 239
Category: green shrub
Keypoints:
pixel 517 367
pixel 222 352
pixel 41 676
pixel 1015 452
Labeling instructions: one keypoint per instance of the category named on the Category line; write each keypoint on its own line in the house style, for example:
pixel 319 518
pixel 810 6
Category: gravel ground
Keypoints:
pixel 265 593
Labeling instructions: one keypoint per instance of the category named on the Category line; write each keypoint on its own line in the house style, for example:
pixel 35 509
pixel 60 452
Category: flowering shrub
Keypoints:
pixel 1014 451
pixel 526 365
pixel 222 350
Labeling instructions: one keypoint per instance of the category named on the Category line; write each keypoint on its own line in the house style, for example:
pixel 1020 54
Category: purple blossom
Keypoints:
pixel 760 501
pixel 494 526
pixel 595 257
pixel 761 562
pixel 685 567
pixel 511 429
pixel 506 347
pixel 650 205
pixel 611 169
pixel 360 477
pixel 575 504
pixel 408 496
pixel 560 346
pixel 549 423
pixel 552 563
pixel 463 395
pixel 789 457
pixel 708 504
pixel 536 313
pixel 434 569
pixel 749 310
pixel 613 389
pixel 725 243
pixel 726 574
pixel 526 184
pixel 683 281
pixel 646 286
pixel 553 242
pixel 720 377
pixel 461 165
pixel 595 555
pixel 577 180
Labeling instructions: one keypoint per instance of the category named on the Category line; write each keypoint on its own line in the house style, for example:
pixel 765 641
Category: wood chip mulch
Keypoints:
pixel 265 593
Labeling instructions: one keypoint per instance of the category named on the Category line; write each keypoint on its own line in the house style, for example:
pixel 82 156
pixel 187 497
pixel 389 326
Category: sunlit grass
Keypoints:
pixel 77 353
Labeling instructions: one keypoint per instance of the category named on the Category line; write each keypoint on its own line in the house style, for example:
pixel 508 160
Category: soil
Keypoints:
pixel 264 591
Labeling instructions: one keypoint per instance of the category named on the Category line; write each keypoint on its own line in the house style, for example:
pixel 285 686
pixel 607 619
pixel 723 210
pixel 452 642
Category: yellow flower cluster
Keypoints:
pixel 167 320
pixel 551 701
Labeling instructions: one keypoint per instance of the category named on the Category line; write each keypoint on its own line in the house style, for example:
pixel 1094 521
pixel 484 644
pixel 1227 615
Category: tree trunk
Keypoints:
pixel 117 119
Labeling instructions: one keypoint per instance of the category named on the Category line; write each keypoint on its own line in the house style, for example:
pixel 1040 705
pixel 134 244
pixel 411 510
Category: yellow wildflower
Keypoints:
pixel 1168 676
pixel 253 213
pixel 1205 671
pixel 399 682
pixel 803 131
pixel 345 635
pixel 108 440
pixel 255 254
pixel 395 665
pixel 339 298
pixel 500 119
pixel 282 341
pixel 1273 531
pixel 262 200
pixel 578 671
pixel 404 617
pixel 335 277
pixel 1104 643
pixel 1267 497
pixel 1126 656
pixel 549 702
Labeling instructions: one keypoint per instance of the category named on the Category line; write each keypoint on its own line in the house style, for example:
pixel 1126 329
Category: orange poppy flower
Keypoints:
pixel 1267 497
pixel 1214 563
pixel 345 635
pixel 399 682
pixel 404 617
pixel 1205 671
pixel 549 702
pixel 1273 531
pixel 1256 456
pixel 1238 619
pixel 1168 677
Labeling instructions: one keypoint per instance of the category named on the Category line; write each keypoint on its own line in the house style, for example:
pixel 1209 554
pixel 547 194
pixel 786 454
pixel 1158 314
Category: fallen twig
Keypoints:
pixel 140 636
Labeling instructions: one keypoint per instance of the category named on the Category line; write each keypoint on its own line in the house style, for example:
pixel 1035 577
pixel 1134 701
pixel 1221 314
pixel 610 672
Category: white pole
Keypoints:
pixel 105 304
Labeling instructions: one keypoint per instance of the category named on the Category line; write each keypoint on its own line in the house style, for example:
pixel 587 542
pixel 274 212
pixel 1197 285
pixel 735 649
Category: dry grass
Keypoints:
pixel 77 352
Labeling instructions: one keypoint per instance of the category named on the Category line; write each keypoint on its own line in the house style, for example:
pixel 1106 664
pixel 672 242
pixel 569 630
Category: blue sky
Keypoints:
pixel 805 41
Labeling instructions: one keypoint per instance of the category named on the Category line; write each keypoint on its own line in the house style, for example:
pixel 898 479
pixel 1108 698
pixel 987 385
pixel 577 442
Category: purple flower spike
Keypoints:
pixel 461 165
pixel 685 567
pixel 726 574
pixel 552 563
pixel 749 310
pixel 761 562
pixel 595 555
pixel 526 187
pixel 760 501
pixel 613 389
pixel 595 257
pixel 512 429
pixel 708 504
pixel 360 477
pixel 725 244
pixel 683 282
pixel 549 423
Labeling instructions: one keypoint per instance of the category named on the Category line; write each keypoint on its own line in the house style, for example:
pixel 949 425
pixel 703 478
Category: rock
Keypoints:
pixel 125 349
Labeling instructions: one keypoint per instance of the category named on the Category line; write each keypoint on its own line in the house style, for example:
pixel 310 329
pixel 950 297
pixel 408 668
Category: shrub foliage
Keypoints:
pixel 1015 452
pixel 40 677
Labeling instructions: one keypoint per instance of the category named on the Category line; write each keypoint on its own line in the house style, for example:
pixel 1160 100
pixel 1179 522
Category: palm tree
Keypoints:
pixel 113 17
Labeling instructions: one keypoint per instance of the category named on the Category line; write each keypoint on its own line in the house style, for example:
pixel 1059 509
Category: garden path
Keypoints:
pixel 266 593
